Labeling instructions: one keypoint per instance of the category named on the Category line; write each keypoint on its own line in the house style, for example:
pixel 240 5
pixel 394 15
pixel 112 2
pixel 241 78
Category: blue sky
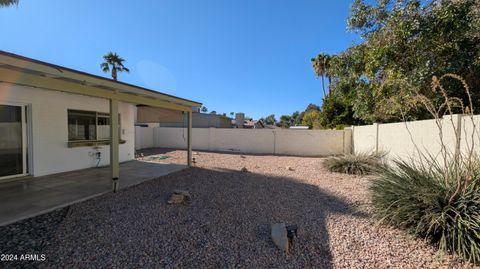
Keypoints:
pixel 249 56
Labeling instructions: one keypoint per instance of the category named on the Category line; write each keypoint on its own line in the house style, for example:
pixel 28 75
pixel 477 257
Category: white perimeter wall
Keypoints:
pixel 260 141
pixel 406 139
pixel 50 129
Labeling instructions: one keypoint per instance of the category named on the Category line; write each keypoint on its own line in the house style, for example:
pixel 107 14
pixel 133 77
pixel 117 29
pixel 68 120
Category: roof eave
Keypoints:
pixel 56 71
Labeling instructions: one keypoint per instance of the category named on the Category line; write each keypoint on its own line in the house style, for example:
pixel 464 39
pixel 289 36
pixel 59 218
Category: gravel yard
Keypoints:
pixel 227 222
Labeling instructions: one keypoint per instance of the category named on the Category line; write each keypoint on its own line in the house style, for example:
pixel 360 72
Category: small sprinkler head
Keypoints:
pixel 292 231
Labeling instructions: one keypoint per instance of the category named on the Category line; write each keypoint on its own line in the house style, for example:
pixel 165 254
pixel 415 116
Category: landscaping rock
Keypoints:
pixel 244 169
pixel 182 192
pixel 289 168
pixel 175 199
pixel 179 197
pixel 279 236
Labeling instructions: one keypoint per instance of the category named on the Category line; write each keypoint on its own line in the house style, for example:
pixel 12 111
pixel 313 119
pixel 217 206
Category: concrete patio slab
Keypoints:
pixel 28 197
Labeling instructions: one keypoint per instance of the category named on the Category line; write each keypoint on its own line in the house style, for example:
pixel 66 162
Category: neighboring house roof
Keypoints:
pixel 25 71
pixel 253 124
pixel 249 123
pixel 171 118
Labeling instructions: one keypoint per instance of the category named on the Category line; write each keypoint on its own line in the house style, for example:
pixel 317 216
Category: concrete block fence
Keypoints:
pixel 399 140
pixel 410 139
pixel 257 141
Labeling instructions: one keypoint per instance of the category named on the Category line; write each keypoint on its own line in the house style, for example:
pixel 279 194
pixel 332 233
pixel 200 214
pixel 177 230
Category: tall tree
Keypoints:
pixel 285 121
pixel 312 107
pixel 204 109
pixel 311 118
pixel 7 3
pixel 405 43
pixel 115 63
pixel 270 120
pixel 321 67
pixel 296 118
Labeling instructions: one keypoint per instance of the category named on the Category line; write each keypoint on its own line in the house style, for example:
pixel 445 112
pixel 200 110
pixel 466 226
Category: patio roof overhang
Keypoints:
pixel 19 70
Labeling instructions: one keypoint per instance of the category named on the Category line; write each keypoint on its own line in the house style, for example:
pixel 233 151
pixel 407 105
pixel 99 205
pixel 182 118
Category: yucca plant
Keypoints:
pixel 424 200
pixel 357 164
pixel 436 196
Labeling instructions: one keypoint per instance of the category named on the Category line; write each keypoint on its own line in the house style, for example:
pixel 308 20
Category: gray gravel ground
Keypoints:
pixel 30 236
pixel 227 222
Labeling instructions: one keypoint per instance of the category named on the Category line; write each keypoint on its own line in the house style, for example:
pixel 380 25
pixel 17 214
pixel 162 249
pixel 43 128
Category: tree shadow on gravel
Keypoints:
pixel 226 224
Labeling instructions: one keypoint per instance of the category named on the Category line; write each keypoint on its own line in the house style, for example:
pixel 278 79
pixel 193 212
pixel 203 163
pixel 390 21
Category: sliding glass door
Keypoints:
pixel 12 141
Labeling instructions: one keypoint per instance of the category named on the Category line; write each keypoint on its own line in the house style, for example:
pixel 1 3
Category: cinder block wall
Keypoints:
pixel 412 139
pixel 259 141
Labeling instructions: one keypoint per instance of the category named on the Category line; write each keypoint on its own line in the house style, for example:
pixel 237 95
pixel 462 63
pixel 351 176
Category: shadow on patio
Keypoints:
pixel 24 198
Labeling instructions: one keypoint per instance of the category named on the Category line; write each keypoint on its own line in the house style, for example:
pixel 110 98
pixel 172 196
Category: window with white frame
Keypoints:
pixel 89 125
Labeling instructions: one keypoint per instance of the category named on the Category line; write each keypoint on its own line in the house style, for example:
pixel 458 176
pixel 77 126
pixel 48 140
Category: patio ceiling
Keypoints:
pixel 20 70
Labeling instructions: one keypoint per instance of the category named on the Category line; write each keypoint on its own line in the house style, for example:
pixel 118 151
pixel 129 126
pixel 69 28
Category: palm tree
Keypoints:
pixel 7 3
pixel 112 59
pixel 326 64
pixel 321 67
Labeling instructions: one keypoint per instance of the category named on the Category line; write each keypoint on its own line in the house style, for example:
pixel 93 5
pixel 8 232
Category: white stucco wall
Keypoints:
pixel 260 141
pixel 412 139
pixel 364 138
pixel 312 142
pixel 244 140
pixel 50 131
pixel 144 137
pixel 405 140
pixel 470 134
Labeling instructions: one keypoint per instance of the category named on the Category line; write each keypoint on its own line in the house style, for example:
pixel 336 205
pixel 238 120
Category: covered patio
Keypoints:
pixel 26 72
pixel 32 196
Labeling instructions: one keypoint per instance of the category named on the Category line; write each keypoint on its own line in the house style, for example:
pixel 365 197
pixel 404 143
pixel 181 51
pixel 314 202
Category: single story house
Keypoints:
pixel 248 124
pixel 254 124
pixel 55 119
pixel 159 117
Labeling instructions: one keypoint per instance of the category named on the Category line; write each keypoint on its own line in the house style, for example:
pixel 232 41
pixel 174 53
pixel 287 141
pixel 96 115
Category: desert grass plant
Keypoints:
pixel 417 198
pixel 436 196
pixel 354 164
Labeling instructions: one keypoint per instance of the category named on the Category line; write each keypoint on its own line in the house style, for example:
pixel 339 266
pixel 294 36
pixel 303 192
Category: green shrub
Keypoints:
pixel 358 164
pixel 432 202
